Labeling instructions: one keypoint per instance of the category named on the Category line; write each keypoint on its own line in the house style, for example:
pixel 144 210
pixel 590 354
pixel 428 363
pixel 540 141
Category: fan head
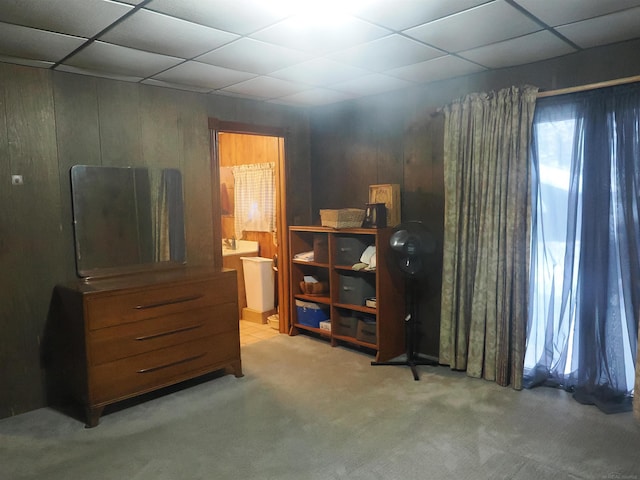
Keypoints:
pixel 413 247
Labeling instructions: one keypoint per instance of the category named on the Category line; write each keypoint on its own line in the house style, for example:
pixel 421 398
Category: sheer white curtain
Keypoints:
pixel 585 293
pixel 254 195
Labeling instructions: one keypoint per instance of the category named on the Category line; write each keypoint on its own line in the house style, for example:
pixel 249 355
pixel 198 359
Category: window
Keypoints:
pixel 584 298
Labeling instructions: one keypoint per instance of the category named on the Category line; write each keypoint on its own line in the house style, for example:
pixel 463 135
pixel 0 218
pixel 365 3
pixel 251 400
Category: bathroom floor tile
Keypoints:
pixel 251 332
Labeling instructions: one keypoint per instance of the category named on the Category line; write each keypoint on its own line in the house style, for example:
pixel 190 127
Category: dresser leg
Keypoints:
pixel 235 368
pixel 93 416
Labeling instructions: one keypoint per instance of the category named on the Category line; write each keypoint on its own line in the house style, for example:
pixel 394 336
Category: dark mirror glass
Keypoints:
pixel 126 217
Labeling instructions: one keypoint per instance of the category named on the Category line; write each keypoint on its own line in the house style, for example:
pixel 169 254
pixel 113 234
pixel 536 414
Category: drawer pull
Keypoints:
pixel 167 365
pixel 168 302
pixel 170 332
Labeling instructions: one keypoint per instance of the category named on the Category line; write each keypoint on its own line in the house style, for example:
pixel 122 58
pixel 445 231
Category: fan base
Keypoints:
pixel 411 363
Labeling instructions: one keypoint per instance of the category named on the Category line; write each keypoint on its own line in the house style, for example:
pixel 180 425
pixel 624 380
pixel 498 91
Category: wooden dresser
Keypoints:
pixel 123 336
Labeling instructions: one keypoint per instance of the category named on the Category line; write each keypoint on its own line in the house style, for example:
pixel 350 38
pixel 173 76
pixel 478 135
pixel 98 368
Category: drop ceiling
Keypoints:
pixel 250 49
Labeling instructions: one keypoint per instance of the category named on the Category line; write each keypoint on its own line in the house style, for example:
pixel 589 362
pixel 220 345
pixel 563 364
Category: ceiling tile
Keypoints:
pixel 320 37
pixel 108 58
pixel 489 23
pixel 598 31
pixel 567 11
pixel 436 69
pixel 313 97
pixel 25 61
pixel 410 12
pixel 371 85
pixel 319 72
pixel 32 44
pixel 266 87
pixel 237 16
pixel 518 51
pixel 97 73
pixel 262 50
pixel 155 32
pixel 253 56
pixel 203 75
pixel 178 86
pixel 387 52
pixel 83 18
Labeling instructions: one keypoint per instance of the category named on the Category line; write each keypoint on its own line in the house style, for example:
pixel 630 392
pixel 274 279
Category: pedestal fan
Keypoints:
pixel 413 248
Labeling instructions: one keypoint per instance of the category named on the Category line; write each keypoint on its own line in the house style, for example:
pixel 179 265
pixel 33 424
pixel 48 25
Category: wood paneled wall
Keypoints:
pixel 398 138
pixel 50 121
pixel 384 142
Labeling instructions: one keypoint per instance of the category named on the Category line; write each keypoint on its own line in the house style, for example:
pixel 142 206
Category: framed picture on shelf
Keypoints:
pixel 389 194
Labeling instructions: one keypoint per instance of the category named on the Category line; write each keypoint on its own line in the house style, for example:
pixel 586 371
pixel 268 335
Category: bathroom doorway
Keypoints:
pixel 235 149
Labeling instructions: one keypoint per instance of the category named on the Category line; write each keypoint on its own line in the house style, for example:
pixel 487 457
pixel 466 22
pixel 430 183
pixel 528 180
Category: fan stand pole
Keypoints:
pixel 410 326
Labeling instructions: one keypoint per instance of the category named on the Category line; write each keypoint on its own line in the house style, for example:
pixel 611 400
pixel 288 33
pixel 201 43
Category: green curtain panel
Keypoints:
pixel 487 231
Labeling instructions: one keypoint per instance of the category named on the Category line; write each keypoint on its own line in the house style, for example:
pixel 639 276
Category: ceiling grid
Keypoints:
pixel 250 49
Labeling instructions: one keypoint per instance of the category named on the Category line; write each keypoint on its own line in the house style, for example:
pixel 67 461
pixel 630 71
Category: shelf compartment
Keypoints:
pixel 354 341
pixel 384 283
pixel 354 288
pixel 312 298
pixel 357 308
pixel 320 331
pixel 310 264
pixel 350 247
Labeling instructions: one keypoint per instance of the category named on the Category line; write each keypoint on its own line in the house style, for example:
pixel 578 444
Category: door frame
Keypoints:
pixel 215 127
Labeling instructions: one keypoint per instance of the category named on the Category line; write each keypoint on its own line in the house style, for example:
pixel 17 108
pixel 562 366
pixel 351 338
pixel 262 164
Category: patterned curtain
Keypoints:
pixel 486 241
pixel 255 200
pixel 167 216
pixel 159 217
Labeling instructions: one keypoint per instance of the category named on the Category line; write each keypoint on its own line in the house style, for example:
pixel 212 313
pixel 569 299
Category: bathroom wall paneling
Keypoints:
pixel 246 149
pixel 245 144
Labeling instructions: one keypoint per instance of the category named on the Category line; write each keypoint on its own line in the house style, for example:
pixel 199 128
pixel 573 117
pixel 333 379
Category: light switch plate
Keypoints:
pixel 16 180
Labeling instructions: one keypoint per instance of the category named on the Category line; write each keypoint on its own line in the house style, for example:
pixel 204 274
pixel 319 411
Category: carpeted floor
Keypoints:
pixel 305 410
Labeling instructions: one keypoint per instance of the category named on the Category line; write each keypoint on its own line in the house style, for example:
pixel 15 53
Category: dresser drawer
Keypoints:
pixel 113 343
pixel 116 308
pixel 135 375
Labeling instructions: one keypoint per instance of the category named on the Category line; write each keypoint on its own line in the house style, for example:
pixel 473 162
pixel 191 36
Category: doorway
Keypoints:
pixel 237 147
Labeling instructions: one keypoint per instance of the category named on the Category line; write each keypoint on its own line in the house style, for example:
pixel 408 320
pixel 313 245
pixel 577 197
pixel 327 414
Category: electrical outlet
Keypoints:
pixel 16 180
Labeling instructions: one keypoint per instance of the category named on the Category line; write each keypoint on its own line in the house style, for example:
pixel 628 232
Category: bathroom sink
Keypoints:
pixel 243 247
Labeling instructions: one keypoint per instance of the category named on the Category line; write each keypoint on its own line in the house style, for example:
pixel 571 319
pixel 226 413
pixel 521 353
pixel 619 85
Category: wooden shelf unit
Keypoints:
pixel 389 285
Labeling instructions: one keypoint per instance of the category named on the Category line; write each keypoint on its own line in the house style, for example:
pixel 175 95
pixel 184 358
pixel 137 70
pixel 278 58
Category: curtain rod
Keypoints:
pixel 592 86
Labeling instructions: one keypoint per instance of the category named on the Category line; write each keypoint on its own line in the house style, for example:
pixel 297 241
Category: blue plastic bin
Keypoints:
pixel 311 314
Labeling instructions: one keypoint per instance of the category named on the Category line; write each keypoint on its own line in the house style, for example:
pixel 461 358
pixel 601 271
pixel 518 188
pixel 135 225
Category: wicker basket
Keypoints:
pixel 342 218
pixel 316 288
